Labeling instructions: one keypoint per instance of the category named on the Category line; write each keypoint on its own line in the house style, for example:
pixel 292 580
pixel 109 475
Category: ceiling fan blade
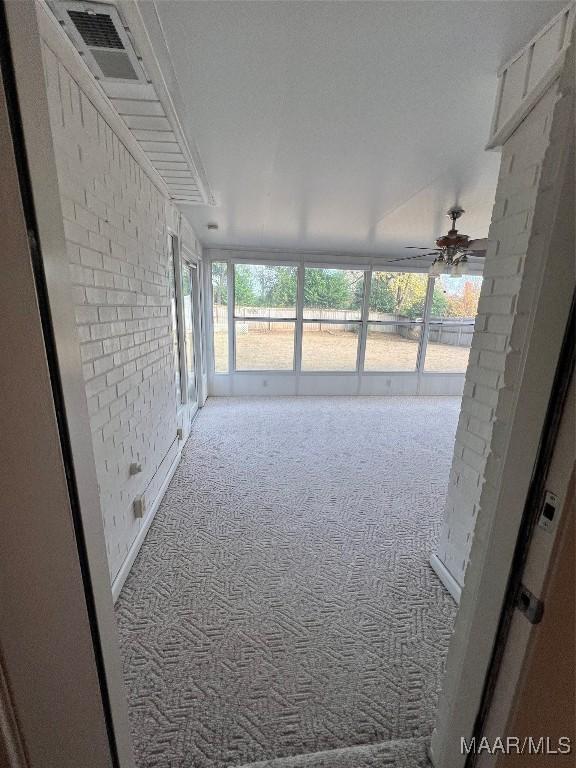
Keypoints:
pixel 406 258
pixel 480 244
pixel 416 247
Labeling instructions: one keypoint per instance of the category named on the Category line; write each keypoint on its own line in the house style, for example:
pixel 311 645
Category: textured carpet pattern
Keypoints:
pixel 407 753
pixel 282 603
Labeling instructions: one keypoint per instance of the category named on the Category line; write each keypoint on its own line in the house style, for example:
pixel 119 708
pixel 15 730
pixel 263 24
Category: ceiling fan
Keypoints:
pixel 452 249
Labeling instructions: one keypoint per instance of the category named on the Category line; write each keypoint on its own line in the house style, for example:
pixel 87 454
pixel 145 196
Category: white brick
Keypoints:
pixel 103 364
pixel 75 233
pixel 115 229
pixel 521 221
pixel 496 305
pixel 91 350
pixel 96 296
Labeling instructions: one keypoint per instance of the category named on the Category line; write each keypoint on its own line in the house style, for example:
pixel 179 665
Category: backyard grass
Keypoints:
pixel 335 351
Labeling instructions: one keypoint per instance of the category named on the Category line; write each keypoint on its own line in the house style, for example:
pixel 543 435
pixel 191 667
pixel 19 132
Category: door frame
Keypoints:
pixel 57 602
pixel 65 363
pixel 192 266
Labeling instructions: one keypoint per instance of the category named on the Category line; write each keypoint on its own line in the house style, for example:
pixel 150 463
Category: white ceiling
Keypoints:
pixel 350 126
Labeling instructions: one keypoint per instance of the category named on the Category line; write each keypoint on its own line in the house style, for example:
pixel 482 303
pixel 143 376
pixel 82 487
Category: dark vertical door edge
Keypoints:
pixel 17 132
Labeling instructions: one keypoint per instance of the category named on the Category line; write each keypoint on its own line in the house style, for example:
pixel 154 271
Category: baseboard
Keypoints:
pixel 446 578
pixel 122 574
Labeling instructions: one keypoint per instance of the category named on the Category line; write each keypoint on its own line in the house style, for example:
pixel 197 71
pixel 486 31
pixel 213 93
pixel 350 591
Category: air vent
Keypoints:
pixel 98 33
pixel 97 29
pixel 115 65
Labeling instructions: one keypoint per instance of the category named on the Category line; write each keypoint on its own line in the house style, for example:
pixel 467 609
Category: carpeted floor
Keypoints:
pixel 282 603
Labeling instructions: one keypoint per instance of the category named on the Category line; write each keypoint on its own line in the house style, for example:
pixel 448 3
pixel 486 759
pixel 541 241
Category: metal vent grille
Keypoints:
pixel 96 29
pixel 115 64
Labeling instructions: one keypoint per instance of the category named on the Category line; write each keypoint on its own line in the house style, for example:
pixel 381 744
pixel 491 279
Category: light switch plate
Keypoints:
pixel 547 518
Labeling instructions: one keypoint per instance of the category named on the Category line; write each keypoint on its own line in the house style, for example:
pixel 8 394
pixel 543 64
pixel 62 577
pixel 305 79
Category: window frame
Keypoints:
pixel 310 320
pixel 254 319
pixel 425 324
pixel 175 255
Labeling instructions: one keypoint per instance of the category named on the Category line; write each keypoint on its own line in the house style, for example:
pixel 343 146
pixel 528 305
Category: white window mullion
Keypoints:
pixel 299 319
pixel 426 325
pixel 364 319
pixel 231 325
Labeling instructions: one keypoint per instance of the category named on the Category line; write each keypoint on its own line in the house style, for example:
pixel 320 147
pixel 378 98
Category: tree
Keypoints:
pixel 283 290
pixel 464 304
pixel 220 282
pixel 439 303
pixel 243 291
pixel 399 293
pixel 328 288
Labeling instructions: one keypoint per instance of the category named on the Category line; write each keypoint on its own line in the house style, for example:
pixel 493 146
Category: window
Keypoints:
pixel 392 346
pixel 220 315
pixel 397 296
pixel 395 314
pixel 452 316
pixel 264 316
pixel 273 325
pixel 174 272
pixel 332 318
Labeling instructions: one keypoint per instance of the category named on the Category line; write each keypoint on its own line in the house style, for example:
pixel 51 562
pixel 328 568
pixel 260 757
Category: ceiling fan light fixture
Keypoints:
pixel 461 267
pixel 452 249
pixel 437 267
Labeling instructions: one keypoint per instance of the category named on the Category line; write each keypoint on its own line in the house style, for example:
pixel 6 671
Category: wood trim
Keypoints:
pixel 126 566
pixel 61 46
pixel 12 752
pixel 529 102
pixel 446 578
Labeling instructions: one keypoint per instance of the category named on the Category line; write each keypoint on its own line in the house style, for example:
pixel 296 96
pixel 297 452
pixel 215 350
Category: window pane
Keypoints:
pixel 263 346
pixel 392 347
pixel 330 347
pixel 174 314
pixel 333 293
pixel 456 297
pixel 264 290
pixel 220 315
pixel 397 295
pixel 448 347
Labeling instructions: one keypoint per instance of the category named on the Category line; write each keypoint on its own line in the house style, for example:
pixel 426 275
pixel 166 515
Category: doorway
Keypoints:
pixel 190 313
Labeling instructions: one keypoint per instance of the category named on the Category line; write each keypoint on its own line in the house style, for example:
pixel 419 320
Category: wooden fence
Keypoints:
pixel 446 330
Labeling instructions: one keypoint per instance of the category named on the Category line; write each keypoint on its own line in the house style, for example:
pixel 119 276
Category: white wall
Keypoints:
pixel 116 224
pixel 513 262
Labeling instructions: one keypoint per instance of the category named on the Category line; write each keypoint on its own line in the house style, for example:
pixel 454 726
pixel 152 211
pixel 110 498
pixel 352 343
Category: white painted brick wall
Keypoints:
pixel 510 279
pixel 115 223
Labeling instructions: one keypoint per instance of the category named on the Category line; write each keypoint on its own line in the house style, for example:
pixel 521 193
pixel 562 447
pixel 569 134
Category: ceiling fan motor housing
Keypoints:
pixel 453 242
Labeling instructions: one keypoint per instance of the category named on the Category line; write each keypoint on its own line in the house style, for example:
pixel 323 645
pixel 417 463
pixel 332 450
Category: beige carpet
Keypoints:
pixel 282 604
